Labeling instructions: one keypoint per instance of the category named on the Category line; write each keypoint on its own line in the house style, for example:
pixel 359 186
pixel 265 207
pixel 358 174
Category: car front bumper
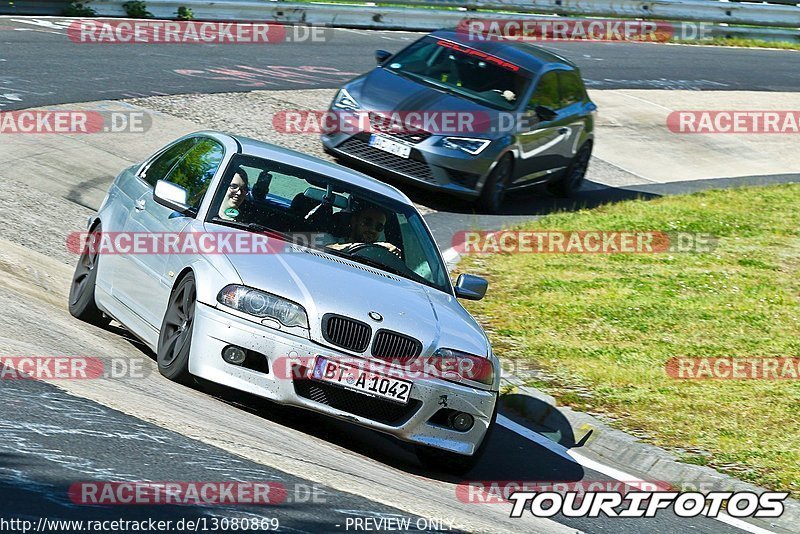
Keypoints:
pixel 429 165
pixel 214 329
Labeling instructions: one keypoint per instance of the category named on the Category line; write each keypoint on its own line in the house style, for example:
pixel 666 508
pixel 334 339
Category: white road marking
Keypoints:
pixel 647 102
pixel 609 471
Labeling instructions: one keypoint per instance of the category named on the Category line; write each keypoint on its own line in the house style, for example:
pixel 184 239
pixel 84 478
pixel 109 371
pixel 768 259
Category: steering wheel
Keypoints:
pixel 364 246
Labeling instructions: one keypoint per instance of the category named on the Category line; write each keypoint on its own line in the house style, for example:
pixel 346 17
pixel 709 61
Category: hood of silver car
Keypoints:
pixel 327 284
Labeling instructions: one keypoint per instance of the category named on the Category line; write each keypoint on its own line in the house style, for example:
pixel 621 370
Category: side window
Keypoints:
pixel 287 187
pixel 546 92
pixel 570 87
pixel 197 168
pixel 160 167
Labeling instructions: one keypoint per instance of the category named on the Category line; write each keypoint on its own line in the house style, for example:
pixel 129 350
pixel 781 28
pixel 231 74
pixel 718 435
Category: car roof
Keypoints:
pixel 529 57
pixel 253 147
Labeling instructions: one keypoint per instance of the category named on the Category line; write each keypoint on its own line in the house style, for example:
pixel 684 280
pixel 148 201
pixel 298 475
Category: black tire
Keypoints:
pixel 494 190
pixel 81 292
pixel 175 339
pixel 573 177
pixel 452 463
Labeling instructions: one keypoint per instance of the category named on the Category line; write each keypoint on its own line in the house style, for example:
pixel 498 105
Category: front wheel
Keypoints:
pixel 175 339
pixel 81 293
pixel 573 177
pixel 494 190
pixel 450 462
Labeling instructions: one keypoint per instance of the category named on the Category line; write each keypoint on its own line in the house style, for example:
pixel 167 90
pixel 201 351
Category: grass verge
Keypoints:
pixel 741 42
pixel 601 327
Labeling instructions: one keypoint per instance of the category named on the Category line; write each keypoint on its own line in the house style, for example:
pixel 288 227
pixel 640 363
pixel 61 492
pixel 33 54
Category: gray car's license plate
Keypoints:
pixel 389 145
pixel 364 381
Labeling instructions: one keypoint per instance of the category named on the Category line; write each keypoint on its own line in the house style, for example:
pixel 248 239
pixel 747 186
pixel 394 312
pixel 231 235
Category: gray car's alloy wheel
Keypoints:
pixel 175 340
pixel 573 177
pixel 453 463
pixel 81 292
pixel 494 190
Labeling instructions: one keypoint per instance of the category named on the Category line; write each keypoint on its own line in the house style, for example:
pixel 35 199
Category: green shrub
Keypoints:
pixel 184 13
pixel 136 9
pixel 78 9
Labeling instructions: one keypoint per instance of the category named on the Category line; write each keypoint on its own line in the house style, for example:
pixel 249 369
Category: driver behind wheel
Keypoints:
pixel 366 226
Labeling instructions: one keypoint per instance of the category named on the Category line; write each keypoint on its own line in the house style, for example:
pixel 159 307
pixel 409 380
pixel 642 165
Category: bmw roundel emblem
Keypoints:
pixel 375 316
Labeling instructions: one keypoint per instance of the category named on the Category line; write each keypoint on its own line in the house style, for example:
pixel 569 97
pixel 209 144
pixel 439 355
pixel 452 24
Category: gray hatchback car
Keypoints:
pixel 530 118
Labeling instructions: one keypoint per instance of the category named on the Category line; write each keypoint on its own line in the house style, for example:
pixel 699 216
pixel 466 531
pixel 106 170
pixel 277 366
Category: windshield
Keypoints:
pixel 462 71
pixel 320 212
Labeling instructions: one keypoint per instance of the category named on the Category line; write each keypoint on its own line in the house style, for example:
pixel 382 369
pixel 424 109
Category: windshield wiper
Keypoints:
pixel 378 265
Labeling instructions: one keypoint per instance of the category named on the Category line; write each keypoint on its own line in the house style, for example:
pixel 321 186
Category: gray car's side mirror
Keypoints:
pixel 382 55
pixel 545 113
pixel 172 196
pixel 471 287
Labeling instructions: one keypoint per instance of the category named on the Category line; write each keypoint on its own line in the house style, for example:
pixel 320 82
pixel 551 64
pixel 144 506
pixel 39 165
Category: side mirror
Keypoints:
pixel 471 287
pixel 172 196
pixel 545 113
pixel 382 55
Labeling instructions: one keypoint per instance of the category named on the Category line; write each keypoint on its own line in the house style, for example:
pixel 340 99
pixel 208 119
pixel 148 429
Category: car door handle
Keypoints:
pixel 139 206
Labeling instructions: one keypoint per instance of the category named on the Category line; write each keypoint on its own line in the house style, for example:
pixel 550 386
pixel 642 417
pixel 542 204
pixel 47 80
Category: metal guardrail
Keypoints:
pixel 785 16
pixel 407 18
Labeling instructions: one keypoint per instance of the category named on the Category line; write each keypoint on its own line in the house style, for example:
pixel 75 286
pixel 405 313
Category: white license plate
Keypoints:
pixel 390 146
pixel 351 377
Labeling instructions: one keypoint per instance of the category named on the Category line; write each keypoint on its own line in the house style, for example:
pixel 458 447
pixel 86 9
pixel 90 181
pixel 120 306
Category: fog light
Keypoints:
pixel 461 421
pixel 234 355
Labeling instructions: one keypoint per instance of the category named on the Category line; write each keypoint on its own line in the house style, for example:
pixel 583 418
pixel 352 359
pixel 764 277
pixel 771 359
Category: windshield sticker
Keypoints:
pixel 232 212
pixel 395 66
pixel 477 53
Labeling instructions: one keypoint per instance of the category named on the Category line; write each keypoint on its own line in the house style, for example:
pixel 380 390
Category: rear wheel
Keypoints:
pixel 175 340
pixel 573 177
pixel 494 190
pixel 81 293
pixel 451 462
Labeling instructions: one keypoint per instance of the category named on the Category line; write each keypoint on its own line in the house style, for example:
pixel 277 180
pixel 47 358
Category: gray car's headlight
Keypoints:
pixel 470 145
pixel 260 304
pixel 343 100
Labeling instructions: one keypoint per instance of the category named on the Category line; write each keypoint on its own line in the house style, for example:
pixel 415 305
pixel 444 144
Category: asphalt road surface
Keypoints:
pixel 40 65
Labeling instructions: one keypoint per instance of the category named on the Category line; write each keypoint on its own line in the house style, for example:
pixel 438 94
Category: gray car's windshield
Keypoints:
pixel 463 71
pixel 319 212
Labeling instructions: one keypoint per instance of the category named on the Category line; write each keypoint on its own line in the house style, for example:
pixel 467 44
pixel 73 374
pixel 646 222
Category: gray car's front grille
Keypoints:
pixel 395 347
pixel 411 167
pixel 346 333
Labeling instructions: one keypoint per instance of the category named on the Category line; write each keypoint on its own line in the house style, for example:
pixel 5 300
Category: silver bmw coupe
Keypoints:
pixel 284 276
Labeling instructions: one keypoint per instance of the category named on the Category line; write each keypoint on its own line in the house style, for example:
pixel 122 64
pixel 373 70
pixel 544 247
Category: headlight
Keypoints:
pixel 343 100
pixel 260 304
pixel 467 144
pixel 457 366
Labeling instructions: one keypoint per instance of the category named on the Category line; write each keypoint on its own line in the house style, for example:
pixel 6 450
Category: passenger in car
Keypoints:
pixel 235 206
pixel 366 226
